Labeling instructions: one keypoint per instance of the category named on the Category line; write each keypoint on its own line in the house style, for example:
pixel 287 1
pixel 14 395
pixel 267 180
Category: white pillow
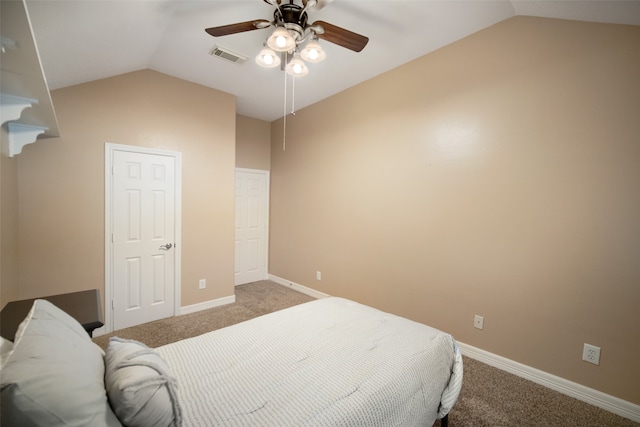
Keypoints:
pixel 140 386
pixel 55 374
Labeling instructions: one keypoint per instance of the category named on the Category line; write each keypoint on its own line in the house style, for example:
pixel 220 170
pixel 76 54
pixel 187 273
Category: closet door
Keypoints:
pixel 252 225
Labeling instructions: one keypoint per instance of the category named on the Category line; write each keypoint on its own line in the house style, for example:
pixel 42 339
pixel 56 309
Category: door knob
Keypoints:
pixel 166 247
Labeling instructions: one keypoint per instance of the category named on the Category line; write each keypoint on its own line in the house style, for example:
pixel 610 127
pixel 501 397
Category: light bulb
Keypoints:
pixel 313 52
pixel 296 67
pixel 267 58
pixel 281 41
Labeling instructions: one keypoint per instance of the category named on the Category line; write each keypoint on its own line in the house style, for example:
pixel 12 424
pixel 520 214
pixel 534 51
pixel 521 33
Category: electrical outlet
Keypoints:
pixel 202 284
pixel 591 354
pixel 478 322
pixel 318 275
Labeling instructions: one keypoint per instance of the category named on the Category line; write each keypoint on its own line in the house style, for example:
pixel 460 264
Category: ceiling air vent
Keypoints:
pixel 229 55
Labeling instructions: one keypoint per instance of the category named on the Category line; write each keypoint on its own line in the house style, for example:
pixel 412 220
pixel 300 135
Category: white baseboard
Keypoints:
pixel 593 397
pixel 187 309
pixel 193 308
pixel 297 287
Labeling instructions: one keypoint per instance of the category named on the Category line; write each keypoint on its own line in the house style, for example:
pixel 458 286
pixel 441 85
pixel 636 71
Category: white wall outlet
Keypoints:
pixel 318 275
pixel 478 322
pixel 591 354
pixel 202 284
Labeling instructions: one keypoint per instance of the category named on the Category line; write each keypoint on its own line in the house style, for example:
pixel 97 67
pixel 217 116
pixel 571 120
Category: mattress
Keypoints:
pixel 329 362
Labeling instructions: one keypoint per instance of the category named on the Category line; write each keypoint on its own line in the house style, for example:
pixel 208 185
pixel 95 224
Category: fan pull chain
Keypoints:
pixel 293 95
pixel 284 115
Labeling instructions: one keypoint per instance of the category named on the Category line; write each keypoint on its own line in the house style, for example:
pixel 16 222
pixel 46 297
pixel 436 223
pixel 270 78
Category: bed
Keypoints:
pixel 329 362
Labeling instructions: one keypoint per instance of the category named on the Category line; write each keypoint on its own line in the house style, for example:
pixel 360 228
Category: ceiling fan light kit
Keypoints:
pixel 291 33
pixel 287 39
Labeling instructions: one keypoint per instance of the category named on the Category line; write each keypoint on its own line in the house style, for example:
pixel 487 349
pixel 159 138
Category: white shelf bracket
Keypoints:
pixel 13 106
pixel 21 135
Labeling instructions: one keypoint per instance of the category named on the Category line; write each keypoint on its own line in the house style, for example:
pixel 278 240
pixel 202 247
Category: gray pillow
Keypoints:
pixel 140 386
pixel 54 375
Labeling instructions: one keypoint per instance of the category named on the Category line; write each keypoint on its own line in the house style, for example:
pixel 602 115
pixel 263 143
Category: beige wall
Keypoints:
pixel 498 176
pixel 61 181
pixel 253 143
pixel 8 223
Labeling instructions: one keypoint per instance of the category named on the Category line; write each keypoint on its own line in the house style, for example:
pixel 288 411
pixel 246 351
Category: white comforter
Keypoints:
pixel 330 362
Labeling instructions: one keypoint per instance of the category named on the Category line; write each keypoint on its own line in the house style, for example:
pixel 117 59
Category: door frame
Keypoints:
pixel 267 175
pixel 109 149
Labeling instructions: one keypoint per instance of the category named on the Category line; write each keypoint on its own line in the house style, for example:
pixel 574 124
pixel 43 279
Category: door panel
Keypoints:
pixel 143 225
pixel 252 222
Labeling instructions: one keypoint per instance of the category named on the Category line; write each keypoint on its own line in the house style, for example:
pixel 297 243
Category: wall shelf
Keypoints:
pixel 13 106
pixel 27 109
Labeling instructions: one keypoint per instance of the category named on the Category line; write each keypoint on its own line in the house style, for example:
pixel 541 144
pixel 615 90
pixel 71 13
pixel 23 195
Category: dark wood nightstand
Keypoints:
pixel 84 306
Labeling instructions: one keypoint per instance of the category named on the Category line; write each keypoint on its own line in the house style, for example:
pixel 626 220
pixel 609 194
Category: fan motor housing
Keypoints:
pixel 291 14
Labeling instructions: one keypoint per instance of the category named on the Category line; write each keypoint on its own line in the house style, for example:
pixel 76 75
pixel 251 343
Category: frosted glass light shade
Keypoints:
pixel 297 68
pixel 313 52
pixel 281 41
pixel 268 58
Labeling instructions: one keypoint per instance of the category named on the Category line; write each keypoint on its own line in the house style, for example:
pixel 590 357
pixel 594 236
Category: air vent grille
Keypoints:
pixel 227 54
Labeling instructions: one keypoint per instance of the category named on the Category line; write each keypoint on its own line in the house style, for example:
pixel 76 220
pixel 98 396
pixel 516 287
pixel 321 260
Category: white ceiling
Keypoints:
pixel 85 40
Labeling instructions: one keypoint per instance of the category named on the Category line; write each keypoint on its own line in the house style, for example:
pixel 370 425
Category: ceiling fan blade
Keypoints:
pixel 342 37
pixel 318 4
pixel 240 27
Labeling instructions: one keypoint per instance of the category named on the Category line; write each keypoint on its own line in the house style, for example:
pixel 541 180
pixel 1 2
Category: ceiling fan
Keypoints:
pixel 292 31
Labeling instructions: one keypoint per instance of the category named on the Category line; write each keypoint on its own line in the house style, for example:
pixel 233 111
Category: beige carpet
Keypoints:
pixel 489 397
pixel 252 300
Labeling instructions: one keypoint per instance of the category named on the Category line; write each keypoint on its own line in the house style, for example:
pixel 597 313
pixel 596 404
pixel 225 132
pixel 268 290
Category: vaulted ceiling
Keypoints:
pixel 82 40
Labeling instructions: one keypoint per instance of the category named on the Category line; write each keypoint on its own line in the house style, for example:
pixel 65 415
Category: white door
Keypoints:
pixel 252 222
pixel 143 216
